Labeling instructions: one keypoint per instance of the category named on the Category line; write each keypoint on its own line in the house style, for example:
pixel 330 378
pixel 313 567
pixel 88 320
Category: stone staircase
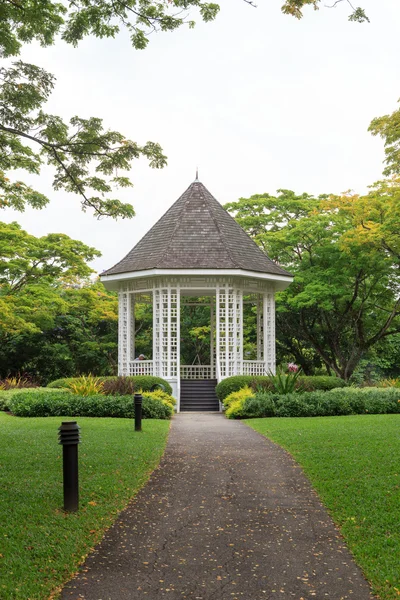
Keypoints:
pixel 198 395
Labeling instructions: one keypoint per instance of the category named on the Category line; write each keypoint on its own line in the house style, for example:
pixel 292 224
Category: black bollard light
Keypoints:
pixel 138 412
pixel 69 439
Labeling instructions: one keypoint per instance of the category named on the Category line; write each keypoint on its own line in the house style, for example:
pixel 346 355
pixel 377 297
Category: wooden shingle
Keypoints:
pixel 196 233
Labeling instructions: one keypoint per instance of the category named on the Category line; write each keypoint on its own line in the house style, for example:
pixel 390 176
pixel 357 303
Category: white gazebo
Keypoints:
pixel 197 249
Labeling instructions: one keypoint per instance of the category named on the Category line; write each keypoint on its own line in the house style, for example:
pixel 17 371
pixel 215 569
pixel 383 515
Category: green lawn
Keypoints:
pixel 354 464
pixel 40 545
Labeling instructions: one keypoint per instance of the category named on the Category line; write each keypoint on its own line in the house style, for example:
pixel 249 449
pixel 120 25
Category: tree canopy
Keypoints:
pixel 345 255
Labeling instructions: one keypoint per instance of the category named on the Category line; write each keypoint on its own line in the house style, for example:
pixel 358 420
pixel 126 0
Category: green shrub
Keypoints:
pixel 312 383
pixel 242 394
pixel 160 395
pixel 235 383
pixel 337 402
pixel 304 383
pixel 6 395
pixel 29 404
pixel 140 382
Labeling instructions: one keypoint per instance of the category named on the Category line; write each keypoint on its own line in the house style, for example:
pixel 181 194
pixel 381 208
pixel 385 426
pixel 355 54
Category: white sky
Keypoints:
pixel 258 100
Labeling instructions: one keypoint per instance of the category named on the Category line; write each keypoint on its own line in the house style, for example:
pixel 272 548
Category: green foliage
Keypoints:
pixel 307 383
pixel 29 404
pixel 160 395
pixel 245 392
pixel 285 383
pixel 345 401
pixel 140 382
pixel 388 128
pixel 86 385
pixel 344 253
pixel 6 395
pixel 57 329
pixel 295 9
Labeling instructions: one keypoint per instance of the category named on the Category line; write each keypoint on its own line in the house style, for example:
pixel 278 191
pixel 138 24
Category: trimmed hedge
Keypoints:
pixel 348 401
pixel 142 382
pixel 6 395
pixel 29 404
pixel 306 383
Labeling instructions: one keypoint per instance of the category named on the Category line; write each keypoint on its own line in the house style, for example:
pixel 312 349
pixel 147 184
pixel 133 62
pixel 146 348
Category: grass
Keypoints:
pixel 40 545
pixel 354 464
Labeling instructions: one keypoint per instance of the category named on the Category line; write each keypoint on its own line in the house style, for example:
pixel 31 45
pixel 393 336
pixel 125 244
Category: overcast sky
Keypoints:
pixel 257 100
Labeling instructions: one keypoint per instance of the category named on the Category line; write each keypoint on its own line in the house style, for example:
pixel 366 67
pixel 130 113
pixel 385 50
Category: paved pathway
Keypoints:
pixel 227 516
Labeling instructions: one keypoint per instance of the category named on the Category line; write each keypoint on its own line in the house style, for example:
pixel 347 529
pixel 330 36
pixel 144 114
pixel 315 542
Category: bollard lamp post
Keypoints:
pixel 138 412
pixel 69 439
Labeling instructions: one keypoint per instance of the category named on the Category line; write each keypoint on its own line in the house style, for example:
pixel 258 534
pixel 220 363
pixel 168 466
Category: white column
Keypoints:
pixel 269 332
pixel 260 333
pixel 238 332
pixel 123 334
pixel 212 337
pixel 131 323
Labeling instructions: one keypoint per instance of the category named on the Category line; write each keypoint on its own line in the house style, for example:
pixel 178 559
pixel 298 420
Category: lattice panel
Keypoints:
pixel 157 332
pixel 131 321
pixel 123 333
pixel 260 327
pixel 269 332
pixel 166 332
pixel 229 305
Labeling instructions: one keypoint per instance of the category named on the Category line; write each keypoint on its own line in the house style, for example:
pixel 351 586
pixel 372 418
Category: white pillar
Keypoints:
pixel 123 334
pixel 260 333
pixel 269 332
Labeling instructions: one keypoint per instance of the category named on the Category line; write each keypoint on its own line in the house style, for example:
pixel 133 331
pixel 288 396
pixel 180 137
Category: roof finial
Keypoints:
pixel 197 174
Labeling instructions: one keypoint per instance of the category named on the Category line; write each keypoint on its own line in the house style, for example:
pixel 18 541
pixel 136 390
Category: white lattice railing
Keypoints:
pixel 141 367
pixel 254 367
pixel 196 372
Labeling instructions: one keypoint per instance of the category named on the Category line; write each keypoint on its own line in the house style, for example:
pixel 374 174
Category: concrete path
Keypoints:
pixel 227 516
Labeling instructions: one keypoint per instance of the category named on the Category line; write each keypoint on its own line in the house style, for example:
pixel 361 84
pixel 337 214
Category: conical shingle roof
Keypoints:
pixel 196 233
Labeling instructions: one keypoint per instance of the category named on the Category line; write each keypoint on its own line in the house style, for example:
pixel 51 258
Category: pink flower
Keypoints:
pixel 293 368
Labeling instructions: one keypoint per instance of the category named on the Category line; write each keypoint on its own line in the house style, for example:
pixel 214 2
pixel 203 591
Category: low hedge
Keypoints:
pixel 29 404
pixel 6 395
pixel 141 382
pixel 305 383
pixel 348 401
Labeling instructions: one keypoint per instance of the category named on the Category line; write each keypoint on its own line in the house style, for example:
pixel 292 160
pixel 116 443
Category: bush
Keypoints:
pixel 140 382
pixel 6 395
pixel 236 383
pixel 245 392
pixel 30 404
pixel 160 395
pixel 348 401
pixel 304 383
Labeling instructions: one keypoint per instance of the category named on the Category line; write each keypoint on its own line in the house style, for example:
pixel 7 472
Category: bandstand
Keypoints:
pixel 197 250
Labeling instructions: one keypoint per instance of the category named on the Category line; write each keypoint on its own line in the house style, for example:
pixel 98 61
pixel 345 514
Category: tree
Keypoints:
pixel 388 128
pixel 79 335
pixel 31 269
pixel 295 8
pixel 345 255
pixel 87 158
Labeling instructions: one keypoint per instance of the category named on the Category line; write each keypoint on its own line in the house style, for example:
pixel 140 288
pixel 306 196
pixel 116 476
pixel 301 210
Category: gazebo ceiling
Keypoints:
pixel 196 233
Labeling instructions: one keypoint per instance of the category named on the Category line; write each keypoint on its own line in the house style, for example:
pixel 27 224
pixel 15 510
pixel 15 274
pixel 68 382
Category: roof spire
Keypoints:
pixel 197 174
